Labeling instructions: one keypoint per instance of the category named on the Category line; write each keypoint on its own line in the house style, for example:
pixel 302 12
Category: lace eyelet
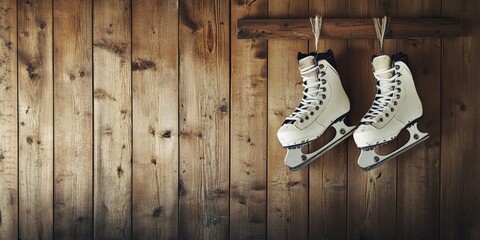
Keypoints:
pixel 304 82
pixel 397 67
pixel 301 120
pixel 312 113
pixel 399 90
pixel 322 74
pixel 321 66
pixel 324 81
pixel 399 82
pixel 399 74
pixel 317 107
pixel 387 115
pixel 395 103
pixel 381 119
pixel 321 102
pixel 392 109
pixel 324 96
pixel 398 96
pixel 306 117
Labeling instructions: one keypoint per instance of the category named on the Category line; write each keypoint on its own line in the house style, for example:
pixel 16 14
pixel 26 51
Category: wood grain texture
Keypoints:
pixel 204 119
pixel 328 174
pixel 348 28
pixel 371 195
pixel 155 119
pixel 35 114
pixel 149 119
pixel 73 196
pixel 287 191
pixel 8 121
pixel 248 128
pixel 460 163
pixel 112 119
pixel 419 169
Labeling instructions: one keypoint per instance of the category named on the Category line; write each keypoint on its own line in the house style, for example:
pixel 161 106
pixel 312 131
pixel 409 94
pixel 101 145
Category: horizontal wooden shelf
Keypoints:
pixel 348 28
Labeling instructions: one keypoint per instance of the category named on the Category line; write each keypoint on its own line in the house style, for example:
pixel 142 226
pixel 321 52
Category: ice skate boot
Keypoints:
pixel 396 106
pixel 324 104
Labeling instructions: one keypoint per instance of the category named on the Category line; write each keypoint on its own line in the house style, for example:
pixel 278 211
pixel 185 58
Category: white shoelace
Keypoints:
pixel 385 94
pixel 310 93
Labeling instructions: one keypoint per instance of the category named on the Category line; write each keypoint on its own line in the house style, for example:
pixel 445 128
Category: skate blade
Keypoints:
pixel 369 159
pixel 296 159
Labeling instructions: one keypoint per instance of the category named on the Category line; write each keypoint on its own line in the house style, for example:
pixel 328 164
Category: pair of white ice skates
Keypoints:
pixel 325 104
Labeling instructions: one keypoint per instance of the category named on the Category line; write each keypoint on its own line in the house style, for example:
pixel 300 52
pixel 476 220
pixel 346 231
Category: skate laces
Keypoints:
pixel 310 94
pixel 385 94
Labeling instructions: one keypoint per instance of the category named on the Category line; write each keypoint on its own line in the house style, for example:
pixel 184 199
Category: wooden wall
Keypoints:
pixel 148 119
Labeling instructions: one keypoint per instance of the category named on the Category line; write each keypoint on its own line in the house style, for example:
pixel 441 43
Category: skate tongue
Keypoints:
pixel 381 63
pixel 305 61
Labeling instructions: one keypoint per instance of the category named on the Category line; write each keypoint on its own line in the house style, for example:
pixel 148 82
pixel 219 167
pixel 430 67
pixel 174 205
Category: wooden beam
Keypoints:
pixel 348 28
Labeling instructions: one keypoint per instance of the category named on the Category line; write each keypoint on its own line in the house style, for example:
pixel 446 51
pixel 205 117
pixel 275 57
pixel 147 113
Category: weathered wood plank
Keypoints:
pixel 73 196
pixel 371 195
pixel 460 162
pixel 248 128
pixel 8 121
pixel 418 169
pixel 348 28
pixel 328 174
pixel 35 114
pixel 112 119
pixel 204 119
pixel 287 191
pixel 155 119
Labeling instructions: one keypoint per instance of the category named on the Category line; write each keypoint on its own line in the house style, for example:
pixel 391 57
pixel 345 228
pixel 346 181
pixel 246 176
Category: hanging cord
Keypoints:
pixel 380 28
pixel 316 28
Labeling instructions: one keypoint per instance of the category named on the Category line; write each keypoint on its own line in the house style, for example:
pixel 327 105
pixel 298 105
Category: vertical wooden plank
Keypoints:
pixel 418 169
pixel 460 164
pixel 328 174
pixel 112 119
pixel 204 119
pixel 155 119
pixel 8 120
pixel 287 191
pixel 73 197
pixel 249 127
pixel 371 195
pixel 35 114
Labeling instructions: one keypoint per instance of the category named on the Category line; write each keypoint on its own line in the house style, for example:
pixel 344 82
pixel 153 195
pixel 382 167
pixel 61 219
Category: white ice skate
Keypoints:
pixel 396 106
pixel 324 104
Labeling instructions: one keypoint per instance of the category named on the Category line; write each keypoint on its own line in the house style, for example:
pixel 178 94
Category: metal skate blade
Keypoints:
pixel 296 159
pixel 369 159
